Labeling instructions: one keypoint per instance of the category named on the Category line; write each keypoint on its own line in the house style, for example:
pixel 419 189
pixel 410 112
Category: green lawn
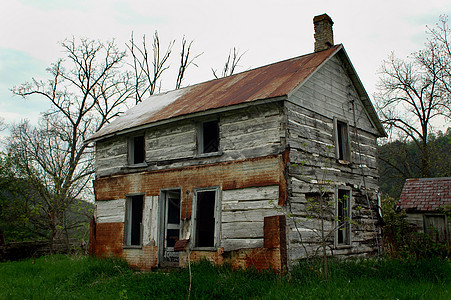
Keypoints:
pixel 65 277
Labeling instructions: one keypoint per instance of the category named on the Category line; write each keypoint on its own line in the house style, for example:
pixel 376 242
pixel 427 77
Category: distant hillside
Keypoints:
pixel 400 160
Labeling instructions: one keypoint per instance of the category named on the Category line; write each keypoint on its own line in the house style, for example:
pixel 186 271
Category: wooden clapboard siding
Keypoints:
pixel 111 156
pixel 113 211
pixel 150 220
pixel 110 211
pixel 247 133
pixel 310 115
pixel 242 215
pixel 330 88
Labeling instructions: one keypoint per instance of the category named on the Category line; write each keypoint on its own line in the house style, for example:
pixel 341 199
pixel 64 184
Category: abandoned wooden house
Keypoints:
pixel 425 201
pixel 233 169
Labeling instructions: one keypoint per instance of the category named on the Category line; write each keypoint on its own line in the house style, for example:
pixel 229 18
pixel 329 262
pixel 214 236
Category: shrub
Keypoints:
pixel 402 240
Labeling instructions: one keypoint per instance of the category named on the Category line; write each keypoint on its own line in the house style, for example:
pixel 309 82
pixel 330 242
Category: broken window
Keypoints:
pixel 342 141
pixel 208 137
pixel 205 218
pixel 133 220
pixel 137 150
pixel 343 217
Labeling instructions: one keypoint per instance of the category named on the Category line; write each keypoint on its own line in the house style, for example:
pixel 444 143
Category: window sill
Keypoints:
pixel 343 246
pixel 211 154
pixel 344 162
pixel 132 247
pixel 137 166
pixel 204 249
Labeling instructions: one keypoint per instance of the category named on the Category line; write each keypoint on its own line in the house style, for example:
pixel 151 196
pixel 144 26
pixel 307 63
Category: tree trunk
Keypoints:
pixel 425 167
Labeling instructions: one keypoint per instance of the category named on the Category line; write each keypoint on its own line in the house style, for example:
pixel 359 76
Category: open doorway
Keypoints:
pixel 169 227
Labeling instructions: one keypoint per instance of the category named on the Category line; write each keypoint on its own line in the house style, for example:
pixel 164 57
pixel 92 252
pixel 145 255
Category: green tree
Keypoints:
pixel 400 159
pixel 415 92
pixel 17 205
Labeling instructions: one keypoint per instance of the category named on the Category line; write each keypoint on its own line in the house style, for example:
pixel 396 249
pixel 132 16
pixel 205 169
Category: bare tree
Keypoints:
pixel 185 61
pixel 230 65
pixel 438 55
pixel 148 68
pixel 414 92
pixel 86 91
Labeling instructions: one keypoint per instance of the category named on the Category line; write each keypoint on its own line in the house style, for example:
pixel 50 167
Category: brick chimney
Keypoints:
pixel 324 35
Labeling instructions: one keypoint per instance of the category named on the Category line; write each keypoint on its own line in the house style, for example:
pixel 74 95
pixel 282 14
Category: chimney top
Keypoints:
pixel 324 35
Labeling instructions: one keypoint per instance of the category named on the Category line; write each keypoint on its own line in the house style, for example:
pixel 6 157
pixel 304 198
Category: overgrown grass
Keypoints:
pixel 62 277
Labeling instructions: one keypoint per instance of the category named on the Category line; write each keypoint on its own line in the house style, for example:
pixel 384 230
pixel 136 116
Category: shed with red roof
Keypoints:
pixel 426 201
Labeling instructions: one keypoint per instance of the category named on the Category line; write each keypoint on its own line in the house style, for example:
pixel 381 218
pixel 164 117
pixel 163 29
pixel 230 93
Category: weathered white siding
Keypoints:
pixel 113 211
pixel 249 132
pixel 110 211
pixel 310 135
pixel 329 91
pixel 111 156
pixel 243 212
pixel 150 220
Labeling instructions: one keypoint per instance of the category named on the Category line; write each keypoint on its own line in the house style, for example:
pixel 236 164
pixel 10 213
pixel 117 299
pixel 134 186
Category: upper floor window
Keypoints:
pixel 136 150
pixel 208 136
pixel 342 141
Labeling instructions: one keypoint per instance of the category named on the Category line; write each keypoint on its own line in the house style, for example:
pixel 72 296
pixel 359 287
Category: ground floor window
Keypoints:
pixel 133 220
pixel 343 220
pixel 205 215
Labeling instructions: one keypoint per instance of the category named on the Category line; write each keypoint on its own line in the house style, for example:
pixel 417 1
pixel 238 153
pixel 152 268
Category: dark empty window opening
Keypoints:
pixel 205 219
pixel 344 218
pixel 138 149
pixel 134 220
pixel 210 137
pixel 342 141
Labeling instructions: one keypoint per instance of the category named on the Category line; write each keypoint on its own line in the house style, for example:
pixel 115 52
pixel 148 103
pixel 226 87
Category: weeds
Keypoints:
pixel 64 277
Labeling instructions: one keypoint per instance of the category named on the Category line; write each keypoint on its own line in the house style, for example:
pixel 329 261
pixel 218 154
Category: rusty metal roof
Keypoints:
pixel 271 81
pixel 426 194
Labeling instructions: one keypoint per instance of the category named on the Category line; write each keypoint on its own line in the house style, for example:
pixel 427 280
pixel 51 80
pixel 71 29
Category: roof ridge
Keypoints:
pixel 429 178
pixel 264 66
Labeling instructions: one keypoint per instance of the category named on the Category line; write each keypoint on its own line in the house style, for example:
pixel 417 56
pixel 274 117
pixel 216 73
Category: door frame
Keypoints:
pixel 162 225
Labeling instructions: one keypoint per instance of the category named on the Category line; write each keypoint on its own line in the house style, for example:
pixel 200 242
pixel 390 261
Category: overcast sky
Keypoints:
pixel 268 30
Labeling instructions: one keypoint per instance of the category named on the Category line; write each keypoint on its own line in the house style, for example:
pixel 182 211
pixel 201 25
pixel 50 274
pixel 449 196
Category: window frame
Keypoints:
pixel 132 151
pixel 217 217
pixel 344 155
pixel 129 215
pixel 347 237
pixel 200 137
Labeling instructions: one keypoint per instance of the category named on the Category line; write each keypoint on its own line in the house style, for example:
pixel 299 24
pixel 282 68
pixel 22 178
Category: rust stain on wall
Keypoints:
pixel 283 195
pixel 143 258
pixel 109 239
pixel 263 171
